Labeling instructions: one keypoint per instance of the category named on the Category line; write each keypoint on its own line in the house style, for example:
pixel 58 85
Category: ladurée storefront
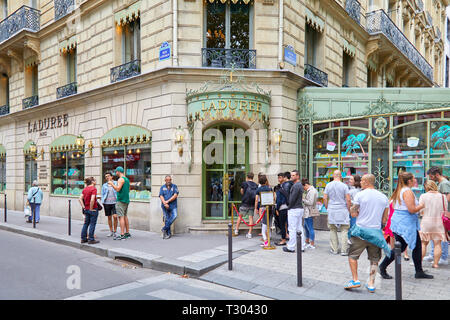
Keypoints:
pixel 205 127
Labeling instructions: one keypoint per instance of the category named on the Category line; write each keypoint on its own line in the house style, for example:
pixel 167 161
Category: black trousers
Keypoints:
pixel 283 219
pixel 416 253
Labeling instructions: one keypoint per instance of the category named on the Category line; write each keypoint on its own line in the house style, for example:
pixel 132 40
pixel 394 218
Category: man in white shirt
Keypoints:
pixel 371 209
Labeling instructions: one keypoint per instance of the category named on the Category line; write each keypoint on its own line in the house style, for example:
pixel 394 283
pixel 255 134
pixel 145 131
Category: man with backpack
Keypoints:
pixel 247 207
pixel 283 190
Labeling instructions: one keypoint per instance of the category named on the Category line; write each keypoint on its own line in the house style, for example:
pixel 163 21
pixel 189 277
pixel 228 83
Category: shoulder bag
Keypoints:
pixel 445 215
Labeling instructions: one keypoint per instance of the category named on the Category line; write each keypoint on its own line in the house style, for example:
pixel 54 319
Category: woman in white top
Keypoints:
pixel 431 227
pixel 355 186
pixel 405 224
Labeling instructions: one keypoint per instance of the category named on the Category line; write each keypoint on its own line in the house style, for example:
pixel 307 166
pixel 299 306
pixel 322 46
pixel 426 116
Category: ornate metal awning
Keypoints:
pixel 314 21
pixel 129 14
pixel 68 45
pixel 230 1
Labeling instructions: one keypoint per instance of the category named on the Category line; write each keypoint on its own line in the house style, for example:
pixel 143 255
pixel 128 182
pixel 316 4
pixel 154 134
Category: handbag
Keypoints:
pixel 445 216
pixel 99 206
pixel 314 212
pixel 27 211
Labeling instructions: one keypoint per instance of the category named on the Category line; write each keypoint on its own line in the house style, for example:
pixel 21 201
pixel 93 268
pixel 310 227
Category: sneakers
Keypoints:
pixel 127 235
pixel 236 232
pixel 111 234
pixel 310 246
pixel 248 235
pixel 121 237
pixel 443 262
pixel 370 289
pixel 352 284
pixel 333 252
pixel 428 258
pixel 265 244
pixel 285 249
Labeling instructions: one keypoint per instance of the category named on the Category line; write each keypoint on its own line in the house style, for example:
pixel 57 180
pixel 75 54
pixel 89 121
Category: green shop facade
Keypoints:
pixel 379 131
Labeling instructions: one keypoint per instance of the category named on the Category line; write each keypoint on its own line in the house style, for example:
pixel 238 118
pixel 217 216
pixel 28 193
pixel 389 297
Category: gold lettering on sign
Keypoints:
pixel 230 105
pixel 212 105
pixel 258 107
pixel 251 106
pixel 222 104
pixel 242 105
pixel 203 107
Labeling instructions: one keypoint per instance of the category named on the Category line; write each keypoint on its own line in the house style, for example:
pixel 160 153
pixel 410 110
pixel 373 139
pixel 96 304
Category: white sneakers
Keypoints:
pixel 428 258
pixel 236 232
pixel 111 234
pixel 443 262
pixel 309 246
pixel 248 235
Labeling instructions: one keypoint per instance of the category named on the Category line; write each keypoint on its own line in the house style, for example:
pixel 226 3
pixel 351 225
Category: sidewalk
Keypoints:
pixel 182 253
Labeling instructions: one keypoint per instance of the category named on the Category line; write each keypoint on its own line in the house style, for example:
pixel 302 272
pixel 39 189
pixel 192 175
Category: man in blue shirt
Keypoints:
pixel 168 194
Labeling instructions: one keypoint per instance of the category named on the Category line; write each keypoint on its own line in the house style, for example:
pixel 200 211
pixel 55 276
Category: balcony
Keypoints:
pixel 316 75
pixel 353 8
pixel 378 22
pixel 23 19
pixel 4 110
pixel 227 58
pixel 420 6
pixel 66 90
pixel 30 102
pixel 125 71
pixel 63 8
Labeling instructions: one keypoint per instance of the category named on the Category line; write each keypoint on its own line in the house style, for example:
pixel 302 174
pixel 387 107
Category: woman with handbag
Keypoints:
pixel 310 211
pixel 431 227
pixel 34 199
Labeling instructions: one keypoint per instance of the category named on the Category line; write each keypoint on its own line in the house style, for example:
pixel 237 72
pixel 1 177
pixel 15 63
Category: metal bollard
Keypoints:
pixel 34 213
pixel 6 210
pixel 70 218
pixel 299 259
pixel 398 271
pixel 230 247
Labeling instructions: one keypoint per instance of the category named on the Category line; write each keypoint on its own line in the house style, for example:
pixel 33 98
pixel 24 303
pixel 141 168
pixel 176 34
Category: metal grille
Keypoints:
pixel 30 102
pixel 227 58
pixel 127 70
pixel 4 110
pixel 353 8
pixel 63 8
pixel 316 75
pixel 379 22
pixel 24 18
pixel 66 90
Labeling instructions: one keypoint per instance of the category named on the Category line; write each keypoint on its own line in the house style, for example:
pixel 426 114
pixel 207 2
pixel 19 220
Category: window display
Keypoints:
pixel 67 173
pixel 30 171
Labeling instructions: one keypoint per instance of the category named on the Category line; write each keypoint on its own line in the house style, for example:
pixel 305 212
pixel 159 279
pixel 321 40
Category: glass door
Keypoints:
pixel 225 163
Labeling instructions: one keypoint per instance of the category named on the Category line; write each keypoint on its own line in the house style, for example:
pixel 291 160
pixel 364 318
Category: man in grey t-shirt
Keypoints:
pixel 336 199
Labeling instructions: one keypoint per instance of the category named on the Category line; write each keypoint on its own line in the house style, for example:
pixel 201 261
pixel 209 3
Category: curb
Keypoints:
pixel 147 260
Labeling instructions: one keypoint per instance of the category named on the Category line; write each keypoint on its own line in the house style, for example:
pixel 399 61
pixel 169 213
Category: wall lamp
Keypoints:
pixel 80 144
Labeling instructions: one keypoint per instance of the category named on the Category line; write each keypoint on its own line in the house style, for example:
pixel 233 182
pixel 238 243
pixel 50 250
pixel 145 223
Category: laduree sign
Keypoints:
pixel 48 123
pixel 229 105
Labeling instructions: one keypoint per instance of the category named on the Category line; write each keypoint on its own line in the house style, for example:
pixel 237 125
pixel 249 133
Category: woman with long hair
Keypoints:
pixel 431 227
pixel 354 183
pixel 405 224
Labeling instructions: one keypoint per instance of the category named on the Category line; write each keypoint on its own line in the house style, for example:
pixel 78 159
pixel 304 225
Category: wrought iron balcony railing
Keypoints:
pixel 67 90
pixel 316 75
pixel 30 102
pixel 63 8
pixel 227 58
pixel 420 5
pixel 24 18
pixel 379 22
pixel 353 8
pixel 124 71
pixel 4 110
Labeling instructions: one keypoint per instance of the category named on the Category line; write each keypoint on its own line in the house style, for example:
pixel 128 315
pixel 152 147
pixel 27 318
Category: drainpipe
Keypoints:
pixel 280 32
pixel 175 34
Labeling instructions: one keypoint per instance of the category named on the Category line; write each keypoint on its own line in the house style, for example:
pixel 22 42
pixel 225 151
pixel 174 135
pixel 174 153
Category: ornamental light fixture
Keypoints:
pixel 33 152
pixel 179 138
pixel 80 145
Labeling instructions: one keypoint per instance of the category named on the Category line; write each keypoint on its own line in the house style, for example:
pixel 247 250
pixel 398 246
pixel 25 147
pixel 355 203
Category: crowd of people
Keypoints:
pixel 359 218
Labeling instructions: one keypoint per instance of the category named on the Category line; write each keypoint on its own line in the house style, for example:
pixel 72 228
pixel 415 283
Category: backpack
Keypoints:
pixel 250 192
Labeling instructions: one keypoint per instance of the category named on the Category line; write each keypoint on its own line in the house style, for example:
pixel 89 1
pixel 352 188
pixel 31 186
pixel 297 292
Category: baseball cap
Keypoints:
pixel 120 169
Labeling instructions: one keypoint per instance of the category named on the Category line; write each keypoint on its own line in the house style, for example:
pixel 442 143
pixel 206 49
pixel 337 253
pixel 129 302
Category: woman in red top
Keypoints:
pixel 88 201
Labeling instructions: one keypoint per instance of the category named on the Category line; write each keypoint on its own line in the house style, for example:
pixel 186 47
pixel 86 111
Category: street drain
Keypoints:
pixel 128 263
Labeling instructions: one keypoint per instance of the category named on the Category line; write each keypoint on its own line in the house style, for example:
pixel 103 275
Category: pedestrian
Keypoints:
pixel 295 213
pixel 168 193
pixel 282 196
pixel 310 212
pixel 247 207
pixel 265 187
pixel 435 174
pixel 336 199
pixel 370 207
pixel 354 183
pixel 405 225
pixel 88 201
pixel 122 187
pixel 388 235
pixel 109 200
pixel 34 198
pixel 431 226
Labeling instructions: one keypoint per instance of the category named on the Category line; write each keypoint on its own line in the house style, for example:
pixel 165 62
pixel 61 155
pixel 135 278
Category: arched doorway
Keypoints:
pixel 225 157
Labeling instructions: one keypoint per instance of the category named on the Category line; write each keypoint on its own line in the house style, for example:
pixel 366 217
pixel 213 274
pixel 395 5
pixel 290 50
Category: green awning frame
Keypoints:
pixel 129 14
pixel 2 151
pixel 126 135
pixel 314 21
pixel 67 142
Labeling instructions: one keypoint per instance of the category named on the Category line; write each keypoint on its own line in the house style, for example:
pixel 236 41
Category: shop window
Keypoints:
pixel 30 171
pixel 440 141
pixel 136 161
pixel 67 173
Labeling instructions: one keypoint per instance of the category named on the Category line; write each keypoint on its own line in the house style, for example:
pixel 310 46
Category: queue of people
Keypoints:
pixel 363 216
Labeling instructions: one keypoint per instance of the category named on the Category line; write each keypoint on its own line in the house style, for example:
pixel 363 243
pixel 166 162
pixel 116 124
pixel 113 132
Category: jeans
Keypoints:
pixel 416 254
pixel 282 219
pixel 309 229
pixel 90 220
pixel 444 245
pixel 37 210
pixel 169 218
pixel 295 224
pixel 352 222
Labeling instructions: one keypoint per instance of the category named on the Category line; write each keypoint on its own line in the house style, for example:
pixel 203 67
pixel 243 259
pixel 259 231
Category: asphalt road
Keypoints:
pixel 35 269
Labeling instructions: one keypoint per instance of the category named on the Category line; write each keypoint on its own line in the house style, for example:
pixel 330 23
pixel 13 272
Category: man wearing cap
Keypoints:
pixel 123 199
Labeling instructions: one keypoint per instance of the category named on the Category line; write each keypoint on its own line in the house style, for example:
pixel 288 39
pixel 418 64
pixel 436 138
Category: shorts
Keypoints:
pixel 121 209
pixel 110 209
pixel 357 247
pixel 246 211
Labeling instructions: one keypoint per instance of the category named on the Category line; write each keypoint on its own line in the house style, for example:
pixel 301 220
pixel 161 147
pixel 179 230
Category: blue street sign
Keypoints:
pixel 164 51
pixel 290 56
